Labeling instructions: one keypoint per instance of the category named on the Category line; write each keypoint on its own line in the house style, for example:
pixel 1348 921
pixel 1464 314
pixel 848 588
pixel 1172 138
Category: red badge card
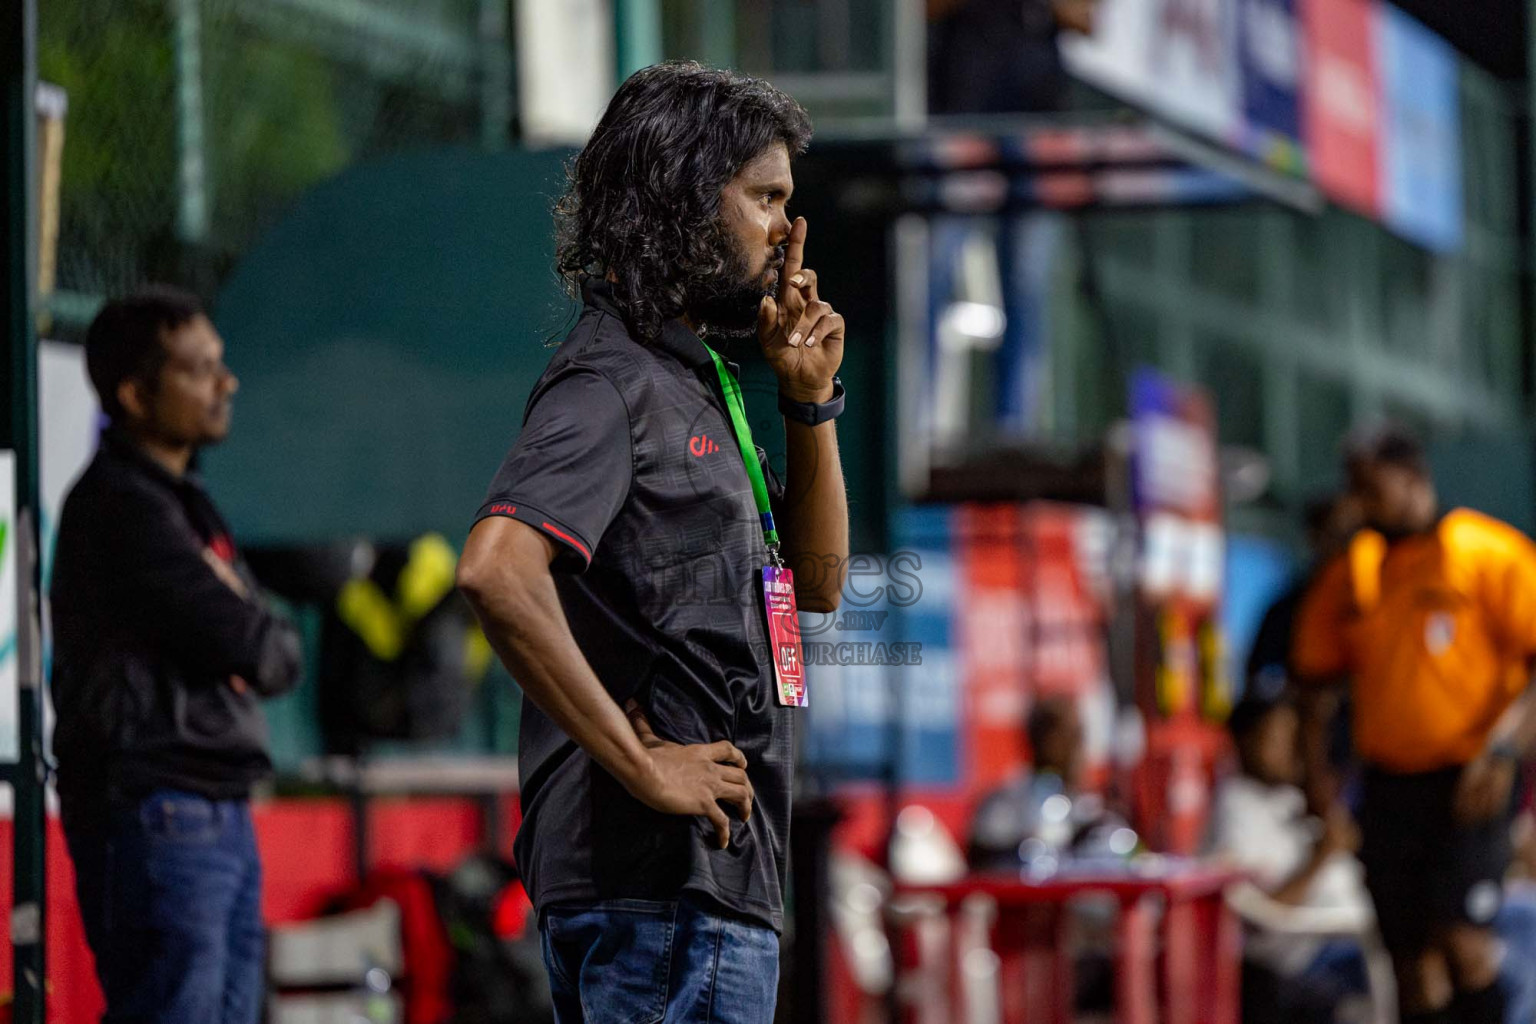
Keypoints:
pixel 784 636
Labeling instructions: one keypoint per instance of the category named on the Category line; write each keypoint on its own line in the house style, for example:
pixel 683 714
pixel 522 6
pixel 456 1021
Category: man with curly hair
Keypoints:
pixel 627 566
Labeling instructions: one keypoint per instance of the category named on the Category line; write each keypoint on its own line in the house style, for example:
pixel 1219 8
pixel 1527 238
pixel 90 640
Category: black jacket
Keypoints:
pixel 157 662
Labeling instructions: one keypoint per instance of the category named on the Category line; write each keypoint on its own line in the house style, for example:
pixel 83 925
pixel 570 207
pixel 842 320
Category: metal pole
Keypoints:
pixel 18 433
pixel 495 75
pixel 909 65
pixel 637 31
pixel 191 140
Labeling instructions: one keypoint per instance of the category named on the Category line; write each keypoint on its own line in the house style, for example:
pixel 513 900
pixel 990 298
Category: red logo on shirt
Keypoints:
pixel 702 445
pixel 223 547
pixel 502 509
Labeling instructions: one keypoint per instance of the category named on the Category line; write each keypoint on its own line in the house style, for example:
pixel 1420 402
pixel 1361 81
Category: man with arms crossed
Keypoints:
pixel 1432 618
pixel 162 647
pixel 622 559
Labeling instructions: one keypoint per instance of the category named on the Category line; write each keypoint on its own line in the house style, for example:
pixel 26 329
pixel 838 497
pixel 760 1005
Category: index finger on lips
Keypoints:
pixel 794 258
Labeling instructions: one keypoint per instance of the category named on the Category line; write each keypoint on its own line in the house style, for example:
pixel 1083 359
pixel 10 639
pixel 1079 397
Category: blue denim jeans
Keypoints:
pixel 170 894
pixel 1337 972
pixel 1515 923
pixel 644 962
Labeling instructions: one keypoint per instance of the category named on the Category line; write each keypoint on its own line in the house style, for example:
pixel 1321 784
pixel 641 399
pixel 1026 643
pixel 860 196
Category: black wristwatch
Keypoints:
pixel 812 413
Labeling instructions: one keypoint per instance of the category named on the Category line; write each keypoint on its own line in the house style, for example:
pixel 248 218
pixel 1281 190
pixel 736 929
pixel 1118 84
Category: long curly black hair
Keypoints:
pixel 642 201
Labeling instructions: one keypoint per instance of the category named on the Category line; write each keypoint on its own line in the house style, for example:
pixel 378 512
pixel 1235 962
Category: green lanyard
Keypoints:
pixel 743 434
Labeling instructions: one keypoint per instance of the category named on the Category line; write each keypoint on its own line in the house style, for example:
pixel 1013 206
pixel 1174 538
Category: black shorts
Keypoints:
pixel 1424 871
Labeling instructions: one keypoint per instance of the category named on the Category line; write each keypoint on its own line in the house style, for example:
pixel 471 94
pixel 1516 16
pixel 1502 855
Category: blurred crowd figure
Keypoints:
pixel 1429 618
pixel 1303 879
pixel 1386 864
pixel 1012 814
pixel 1331 521
pixel 1421 622
pixel 1044 815
pixel 164 646
pixel 1000 56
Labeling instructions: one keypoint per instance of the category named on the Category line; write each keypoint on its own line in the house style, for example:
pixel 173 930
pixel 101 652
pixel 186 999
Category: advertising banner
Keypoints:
pixel 1176 489
pixel 1341 101
pixel 1115 57
pixel 1178 58
pixel 994 618
pixel 922 584
pixel 1194 66
pixel 885 696
pixel 1181 679
pixel 1175 449
pixel 1069 592
pixel 1031 614
pixel 1270 58
pixel 1421 190
pixel 1354 94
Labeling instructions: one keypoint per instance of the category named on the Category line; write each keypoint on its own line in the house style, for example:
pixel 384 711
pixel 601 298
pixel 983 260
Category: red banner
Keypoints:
pixel 993 615
pixel 1341 101
pixel 1031 619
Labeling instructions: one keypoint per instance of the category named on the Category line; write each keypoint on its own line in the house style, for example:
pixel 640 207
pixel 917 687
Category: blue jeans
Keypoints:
pixel 1337 972
pixel 645 962
pixel 1515 923
pixel 170 894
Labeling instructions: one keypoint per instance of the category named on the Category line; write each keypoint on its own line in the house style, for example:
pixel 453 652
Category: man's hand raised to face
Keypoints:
pixel 693 779
pixel 801 336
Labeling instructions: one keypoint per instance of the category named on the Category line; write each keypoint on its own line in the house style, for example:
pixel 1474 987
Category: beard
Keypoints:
pixel 726 302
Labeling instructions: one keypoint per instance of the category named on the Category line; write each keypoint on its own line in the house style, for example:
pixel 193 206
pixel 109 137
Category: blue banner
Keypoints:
pixel 1421 132
pixel 882 670
pixel 1269 58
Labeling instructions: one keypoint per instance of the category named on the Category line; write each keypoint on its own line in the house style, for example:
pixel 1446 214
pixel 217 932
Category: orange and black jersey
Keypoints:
pixel 1436 632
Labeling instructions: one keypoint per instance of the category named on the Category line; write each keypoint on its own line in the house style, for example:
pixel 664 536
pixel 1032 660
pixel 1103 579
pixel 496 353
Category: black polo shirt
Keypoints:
pixel 627 461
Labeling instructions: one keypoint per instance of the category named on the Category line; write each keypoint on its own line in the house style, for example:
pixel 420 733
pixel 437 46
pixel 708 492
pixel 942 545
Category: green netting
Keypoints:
pixel 194 124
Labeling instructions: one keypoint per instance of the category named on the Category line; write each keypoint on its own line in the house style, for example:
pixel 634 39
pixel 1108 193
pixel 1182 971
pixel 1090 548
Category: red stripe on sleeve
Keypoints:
pixel 578 545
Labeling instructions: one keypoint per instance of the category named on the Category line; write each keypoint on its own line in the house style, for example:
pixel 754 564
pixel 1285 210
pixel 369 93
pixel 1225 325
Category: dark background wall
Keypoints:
pixel 388 331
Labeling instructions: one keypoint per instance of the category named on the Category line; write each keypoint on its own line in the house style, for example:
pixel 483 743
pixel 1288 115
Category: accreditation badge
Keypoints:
pixel 784 637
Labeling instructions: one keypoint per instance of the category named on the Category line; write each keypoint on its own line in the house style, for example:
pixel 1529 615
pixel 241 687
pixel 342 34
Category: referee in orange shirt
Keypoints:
pixel 1431 617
